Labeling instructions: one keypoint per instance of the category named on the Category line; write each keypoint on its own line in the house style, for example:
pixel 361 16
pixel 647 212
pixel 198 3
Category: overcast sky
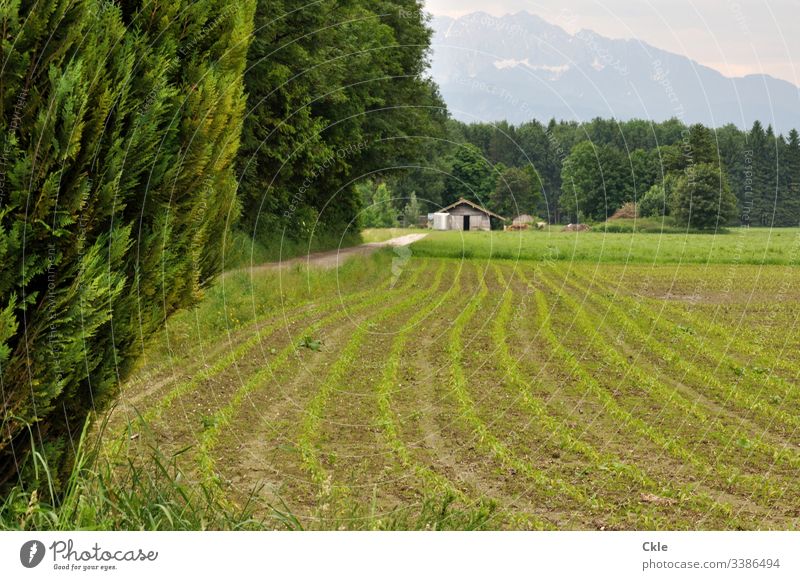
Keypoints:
pixel 736 37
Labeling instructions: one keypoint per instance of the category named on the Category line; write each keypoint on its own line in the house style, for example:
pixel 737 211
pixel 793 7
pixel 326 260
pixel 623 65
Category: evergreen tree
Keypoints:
pixel 702 198
pixel 336 92
pixel 411 211
pixel 789 203
pixel 119 127
pixel 701 146
pixel 379 211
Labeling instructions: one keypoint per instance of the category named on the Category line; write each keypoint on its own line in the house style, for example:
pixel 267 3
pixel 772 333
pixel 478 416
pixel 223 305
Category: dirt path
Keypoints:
pixel 333 258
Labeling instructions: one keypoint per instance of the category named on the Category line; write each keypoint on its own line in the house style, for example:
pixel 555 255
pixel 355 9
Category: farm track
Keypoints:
pixel 544 390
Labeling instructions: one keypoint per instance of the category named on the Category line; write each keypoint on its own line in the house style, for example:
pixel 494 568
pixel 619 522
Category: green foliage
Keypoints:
pixel 119 128
pixel 516 192
pixel 310 343
pixel 699 147
pixel 703 199
pixel 378 209
pixel 630 157
pixel 411 211
pixel 644 225
pixel 658 199
pixel 471 177
pixel 330 88
pixel 151 493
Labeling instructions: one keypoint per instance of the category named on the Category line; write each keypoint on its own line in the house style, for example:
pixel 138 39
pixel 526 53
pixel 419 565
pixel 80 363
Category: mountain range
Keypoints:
pixel 519 67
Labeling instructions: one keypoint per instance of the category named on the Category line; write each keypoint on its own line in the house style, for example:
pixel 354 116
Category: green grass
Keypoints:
pixel 111 493
pixel 639 225
pixel 241 297
pixel 737 246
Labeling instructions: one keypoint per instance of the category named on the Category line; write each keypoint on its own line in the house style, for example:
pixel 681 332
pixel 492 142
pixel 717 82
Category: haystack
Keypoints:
pixel 627 211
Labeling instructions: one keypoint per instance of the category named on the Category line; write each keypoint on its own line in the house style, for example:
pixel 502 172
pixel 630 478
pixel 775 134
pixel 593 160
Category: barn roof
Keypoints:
pixel 475 205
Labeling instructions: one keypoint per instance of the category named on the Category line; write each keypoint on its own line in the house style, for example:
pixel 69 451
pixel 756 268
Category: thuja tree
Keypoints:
pixel 119 125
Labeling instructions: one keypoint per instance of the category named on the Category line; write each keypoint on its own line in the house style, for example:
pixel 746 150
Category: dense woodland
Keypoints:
pixel 139 138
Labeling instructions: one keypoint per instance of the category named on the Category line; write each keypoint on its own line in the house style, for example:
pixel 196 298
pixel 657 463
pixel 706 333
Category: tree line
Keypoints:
pixel 138 136
pixel 571 172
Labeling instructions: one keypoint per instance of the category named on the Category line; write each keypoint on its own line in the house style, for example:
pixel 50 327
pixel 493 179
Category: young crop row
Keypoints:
pixel 432 481
pixel 482 433
pixel 533 387
pixel 736 396
pixel 716 467
pixel 625 418
pixel 775 390
pixel 258 332
pixel 314 413
pixel 222 418
pixel 523 387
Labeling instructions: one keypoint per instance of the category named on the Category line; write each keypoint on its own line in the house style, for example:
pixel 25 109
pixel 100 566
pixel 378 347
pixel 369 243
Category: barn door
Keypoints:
pixel 466 222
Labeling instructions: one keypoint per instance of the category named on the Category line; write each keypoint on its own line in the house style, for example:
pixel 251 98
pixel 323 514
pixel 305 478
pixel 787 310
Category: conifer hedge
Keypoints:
pixel 120 122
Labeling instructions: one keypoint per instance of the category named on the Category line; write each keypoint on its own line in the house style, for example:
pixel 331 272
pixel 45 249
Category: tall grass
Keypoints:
pixel 104 493
pixel 153 493
pixel 241 297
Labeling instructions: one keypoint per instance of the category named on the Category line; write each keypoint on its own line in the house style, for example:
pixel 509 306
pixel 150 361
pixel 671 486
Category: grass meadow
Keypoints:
pixel 755 246
pixel 536 380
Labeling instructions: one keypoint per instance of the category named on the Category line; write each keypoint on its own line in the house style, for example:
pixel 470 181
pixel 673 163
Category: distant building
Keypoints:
pixel 464 215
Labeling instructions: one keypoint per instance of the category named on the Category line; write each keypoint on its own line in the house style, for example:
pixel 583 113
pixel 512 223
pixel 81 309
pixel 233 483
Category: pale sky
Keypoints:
pixel 736 37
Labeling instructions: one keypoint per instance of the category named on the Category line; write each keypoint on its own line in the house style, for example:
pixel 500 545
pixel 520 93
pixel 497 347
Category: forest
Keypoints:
pixel 566 171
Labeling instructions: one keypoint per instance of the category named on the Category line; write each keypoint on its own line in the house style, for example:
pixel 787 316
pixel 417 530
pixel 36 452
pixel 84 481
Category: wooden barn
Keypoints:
pixel 464 215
